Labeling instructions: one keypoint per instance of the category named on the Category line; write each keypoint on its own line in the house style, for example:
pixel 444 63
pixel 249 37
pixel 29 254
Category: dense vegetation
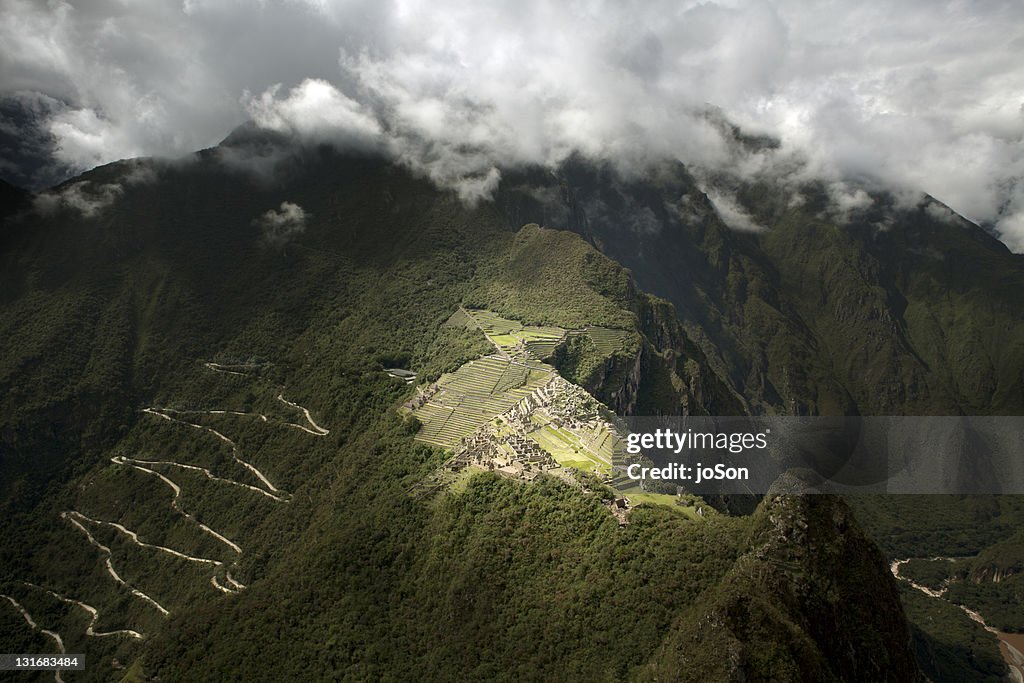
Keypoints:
pixel 107 313
pixel 892 309
pixel 888 310
pixel 949 646
pixel 980 532
pixel 349 576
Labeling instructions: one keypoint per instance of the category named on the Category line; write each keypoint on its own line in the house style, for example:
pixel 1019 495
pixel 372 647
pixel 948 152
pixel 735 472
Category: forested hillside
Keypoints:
pixel 206 474
pixel 897 307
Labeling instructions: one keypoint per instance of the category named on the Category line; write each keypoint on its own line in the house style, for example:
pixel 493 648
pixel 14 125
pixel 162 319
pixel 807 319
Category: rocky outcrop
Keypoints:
pixel 661 373
pixel 816 314
pixel 811 599
pixel 622 393
pixel 990 574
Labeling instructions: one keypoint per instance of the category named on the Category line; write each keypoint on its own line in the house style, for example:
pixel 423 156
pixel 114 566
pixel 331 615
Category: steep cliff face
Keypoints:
pixel 992 574
pixel 659 372
pixel 723 286
pixel 999 562
pixel 678 376
pixel 894 309
pixel 810 600
pixel 619 380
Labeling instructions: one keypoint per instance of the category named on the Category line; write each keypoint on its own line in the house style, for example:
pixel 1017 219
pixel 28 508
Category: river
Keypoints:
pixel 1011 645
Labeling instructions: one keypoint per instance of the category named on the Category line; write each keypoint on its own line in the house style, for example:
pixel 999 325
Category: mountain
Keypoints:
pixel 890 310
pixel 212 446
pixel 895 307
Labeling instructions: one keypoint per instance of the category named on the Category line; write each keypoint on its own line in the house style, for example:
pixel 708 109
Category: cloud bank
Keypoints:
pixel 279 226
pixel 85 198
pixel 918 94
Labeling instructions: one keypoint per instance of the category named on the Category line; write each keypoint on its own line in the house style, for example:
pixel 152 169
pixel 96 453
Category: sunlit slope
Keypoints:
pixel 208 415
pixel 459 403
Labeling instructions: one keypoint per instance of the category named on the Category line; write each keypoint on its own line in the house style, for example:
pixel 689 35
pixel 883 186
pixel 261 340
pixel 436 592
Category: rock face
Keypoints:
pixel 999 562
pixel 991 574
pixel 887 311
pixel 810 600
pixel 624 397
pixel 663 373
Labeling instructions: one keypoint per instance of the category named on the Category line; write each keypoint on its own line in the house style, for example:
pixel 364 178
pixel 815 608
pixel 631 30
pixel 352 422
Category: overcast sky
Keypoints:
pixel 919 94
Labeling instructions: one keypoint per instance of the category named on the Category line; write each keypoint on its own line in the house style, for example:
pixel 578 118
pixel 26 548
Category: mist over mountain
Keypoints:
pixel 814 255
pixel 321 324
pixel 882 94
pixel 219 288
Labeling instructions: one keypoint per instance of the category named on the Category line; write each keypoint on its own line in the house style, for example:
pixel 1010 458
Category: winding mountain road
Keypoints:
pixel 53 635
pixel 316 430
pixel 134 537
pixel 159 412
pixel 217 367
pixel 142 465
pixel 225 583
pixel 70 516
pixel 174 502
pixel 93 613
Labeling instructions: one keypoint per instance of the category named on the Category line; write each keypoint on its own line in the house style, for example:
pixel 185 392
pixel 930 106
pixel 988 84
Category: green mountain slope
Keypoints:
pixel 200 443
pixel 889 310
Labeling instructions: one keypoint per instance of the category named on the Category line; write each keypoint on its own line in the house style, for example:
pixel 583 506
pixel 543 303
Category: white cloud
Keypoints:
pixel 731 213
pixel 940 212
pixel 917 94
pixel 279 226
pixel 847 200
pixel 313 109
pixel 85 197
pixel 1012 228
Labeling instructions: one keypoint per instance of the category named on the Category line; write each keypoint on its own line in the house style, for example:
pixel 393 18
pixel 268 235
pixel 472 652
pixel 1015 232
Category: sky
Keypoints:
pixel 917 95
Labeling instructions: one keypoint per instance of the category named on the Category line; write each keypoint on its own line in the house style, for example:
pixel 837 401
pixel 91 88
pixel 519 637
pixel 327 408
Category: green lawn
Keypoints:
pixel 636 496
pixel 567 450
pixel 504 341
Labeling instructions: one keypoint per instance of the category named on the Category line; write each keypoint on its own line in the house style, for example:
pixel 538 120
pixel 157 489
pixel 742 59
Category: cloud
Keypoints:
pixel 731 213
pixel 1011 225
pixel 27 149
pixel 86 198
pixel 941 212
pixel 280 226
pixel 314 109
pixel 919 95
pixel 90 199
pixel 847 200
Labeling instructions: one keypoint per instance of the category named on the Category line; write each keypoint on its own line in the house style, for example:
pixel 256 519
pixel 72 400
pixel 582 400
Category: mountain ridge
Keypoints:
pixel 129 305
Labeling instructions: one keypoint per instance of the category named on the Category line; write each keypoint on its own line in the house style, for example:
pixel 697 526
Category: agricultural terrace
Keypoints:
pixel 501 411
pixel 588 448
pixel 606 340
pixel 540 342
pixel 479 391
pixel 475 394
pixel 511 336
